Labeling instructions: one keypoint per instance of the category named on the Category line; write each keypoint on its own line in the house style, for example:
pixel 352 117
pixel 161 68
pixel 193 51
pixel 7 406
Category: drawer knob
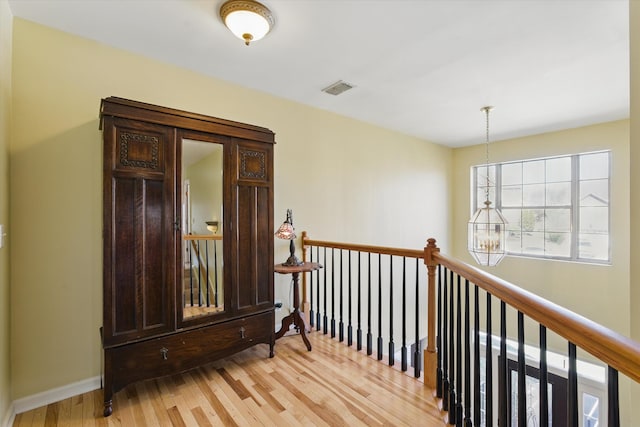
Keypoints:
pixel 165 353
pixel 242 331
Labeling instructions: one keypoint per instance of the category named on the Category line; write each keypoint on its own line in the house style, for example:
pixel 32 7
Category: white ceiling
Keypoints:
pixel 422 67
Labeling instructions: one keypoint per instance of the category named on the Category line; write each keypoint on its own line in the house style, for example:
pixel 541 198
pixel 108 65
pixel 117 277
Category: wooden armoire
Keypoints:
pixel 150 225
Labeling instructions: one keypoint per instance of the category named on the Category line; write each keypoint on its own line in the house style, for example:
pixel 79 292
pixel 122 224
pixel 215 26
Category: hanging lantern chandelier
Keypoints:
pixel 487 226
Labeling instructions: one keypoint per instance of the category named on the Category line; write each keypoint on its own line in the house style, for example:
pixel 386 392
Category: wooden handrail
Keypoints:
pixel 611 347
pixel 202 237
pixel 410 253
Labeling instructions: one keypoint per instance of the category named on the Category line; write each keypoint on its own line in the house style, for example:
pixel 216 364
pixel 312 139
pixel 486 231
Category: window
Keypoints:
pixel 590 410
pixel 556 207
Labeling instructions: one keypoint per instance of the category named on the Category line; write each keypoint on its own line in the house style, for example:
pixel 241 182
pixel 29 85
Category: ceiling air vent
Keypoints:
pixel 338 87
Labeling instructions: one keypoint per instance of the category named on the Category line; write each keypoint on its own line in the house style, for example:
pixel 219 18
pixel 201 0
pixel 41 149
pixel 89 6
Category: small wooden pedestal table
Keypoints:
pixel 296 317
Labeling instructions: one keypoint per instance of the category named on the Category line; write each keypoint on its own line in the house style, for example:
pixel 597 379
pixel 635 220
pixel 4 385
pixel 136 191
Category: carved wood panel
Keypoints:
pixel 253 164
pixel 139 150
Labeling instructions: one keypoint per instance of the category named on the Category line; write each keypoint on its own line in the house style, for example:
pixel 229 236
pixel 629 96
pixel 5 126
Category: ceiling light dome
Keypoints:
pixel 247 19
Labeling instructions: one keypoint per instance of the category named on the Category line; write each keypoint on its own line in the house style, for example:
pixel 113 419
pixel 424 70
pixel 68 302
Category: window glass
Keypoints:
pixel 532 386
pixel 594 193
pixel 533 172
pixel 533 195
pixel 558 194
pixel 558 169
pixel 556 207
pixel 593 246
pixel 512 174
pixel 594 166
pixel 533 243
pixel 590 410
pixel 532 220
pixel 513 239
pixel 558 244
pixel 594 220
pixel 512 195
pixel 558 220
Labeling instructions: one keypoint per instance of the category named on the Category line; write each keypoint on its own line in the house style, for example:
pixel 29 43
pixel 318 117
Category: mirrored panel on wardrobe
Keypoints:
pixel 202 240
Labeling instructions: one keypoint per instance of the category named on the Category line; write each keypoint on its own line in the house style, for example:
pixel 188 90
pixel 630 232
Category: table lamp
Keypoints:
pixel 287 232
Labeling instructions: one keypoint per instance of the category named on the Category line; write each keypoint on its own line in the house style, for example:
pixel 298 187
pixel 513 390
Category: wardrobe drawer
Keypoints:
pixel 187 349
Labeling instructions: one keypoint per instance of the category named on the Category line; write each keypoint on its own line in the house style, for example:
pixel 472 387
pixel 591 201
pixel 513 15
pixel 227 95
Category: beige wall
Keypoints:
pixel 634 300
pixel 5 118
pixel 598 292
pixel 634 42
pixel 345 180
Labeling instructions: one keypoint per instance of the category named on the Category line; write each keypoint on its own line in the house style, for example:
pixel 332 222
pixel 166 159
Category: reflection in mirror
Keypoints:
pixel 202 187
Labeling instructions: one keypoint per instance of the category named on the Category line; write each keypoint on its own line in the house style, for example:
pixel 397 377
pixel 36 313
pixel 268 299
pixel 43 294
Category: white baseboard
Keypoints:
pixel 54 395
pixel 10 417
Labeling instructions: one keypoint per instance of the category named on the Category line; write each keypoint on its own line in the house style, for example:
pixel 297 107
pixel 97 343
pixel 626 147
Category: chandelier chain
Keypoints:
pixel 486 110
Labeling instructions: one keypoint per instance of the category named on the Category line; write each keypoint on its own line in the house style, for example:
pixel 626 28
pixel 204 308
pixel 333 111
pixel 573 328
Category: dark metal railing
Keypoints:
pixel 457 321
pixel 369 279
pixel 615 352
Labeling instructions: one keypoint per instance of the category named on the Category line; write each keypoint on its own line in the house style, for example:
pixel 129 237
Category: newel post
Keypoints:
pixel 430 356
pixel 304 306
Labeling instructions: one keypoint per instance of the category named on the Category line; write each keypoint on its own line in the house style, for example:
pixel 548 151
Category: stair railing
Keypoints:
pixel 359 289
pixel 203 281
pixel 457 296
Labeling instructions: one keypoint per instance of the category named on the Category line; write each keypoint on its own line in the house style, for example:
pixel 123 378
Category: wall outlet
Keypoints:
pixel 2 235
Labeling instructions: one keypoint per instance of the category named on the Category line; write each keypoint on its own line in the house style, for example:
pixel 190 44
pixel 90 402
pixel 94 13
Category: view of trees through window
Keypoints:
pixel 556 207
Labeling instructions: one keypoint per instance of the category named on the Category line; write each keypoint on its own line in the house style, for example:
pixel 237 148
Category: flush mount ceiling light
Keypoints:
pixel 247 19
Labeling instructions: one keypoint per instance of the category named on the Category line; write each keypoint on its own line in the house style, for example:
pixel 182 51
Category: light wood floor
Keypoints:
pixel 332 385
